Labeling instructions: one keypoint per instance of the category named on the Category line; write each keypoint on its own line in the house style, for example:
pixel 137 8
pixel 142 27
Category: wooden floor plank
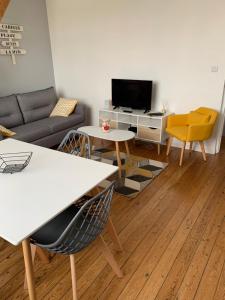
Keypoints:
pixel 220 291
pixel 160 267
pixel 157 250
pixel 171 227
pixel 194 273
pixel 209 221
pixel 213 269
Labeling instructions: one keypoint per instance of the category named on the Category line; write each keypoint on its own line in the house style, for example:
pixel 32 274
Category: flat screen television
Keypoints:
pixel 136 94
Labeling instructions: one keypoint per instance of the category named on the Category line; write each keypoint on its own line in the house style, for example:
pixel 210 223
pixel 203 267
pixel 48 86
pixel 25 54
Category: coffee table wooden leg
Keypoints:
pixel 127 148
pixel 29 268
pixel 118 158
pixel 92 143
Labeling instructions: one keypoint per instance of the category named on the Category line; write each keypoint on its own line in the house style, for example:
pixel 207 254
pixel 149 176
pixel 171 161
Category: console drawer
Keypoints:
pixel 148 133
pixel 150 122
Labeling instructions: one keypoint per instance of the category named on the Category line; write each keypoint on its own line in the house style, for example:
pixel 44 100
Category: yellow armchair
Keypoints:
pixel 196 126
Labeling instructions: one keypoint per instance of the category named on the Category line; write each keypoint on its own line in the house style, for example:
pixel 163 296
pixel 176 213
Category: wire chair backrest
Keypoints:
pixel 86 225
pixel 77 143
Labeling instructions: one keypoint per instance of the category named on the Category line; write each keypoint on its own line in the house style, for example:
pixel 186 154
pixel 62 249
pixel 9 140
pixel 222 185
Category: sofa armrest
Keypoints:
pixel 177 120
pixel 80 109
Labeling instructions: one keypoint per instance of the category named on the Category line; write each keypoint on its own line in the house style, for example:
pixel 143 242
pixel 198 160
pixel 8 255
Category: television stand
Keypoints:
pixel 127 111
pixel 148 128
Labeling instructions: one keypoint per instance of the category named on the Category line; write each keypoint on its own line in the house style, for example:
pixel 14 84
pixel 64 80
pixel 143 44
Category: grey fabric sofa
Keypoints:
pixel 28 116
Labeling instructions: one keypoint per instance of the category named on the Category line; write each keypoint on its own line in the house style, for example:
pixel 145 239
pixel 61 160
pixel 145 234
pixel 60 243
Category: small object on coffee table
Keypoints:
pixel 14 162
pixel 106 126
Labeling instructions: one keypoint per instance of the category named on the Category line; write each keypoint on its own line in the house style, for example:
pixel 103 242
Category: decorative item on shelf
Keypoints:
pixel 107 104
pixel 106 125
pixel 164 107
pixel 14 162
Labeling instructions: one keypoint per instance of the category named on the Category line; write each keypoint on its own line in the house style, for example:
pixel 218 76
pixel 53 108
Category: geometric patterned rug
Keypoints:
pixel 137 172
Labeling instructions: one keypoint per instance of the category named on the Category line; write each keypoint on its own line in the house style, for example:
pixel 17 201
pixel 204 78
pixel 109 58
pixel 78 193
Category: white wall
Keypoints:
pixel 34 70
pixel 174 43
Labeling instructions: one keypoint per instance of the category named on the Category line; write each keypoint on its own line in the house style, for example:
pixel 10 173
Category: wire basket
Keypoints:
pixel 14 162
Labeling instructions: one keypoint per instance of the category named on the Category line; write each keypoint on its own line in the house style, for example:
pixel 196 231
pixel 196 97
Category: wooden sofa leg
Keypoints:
pixel 202 149
pixel 169 145
pixel 182 154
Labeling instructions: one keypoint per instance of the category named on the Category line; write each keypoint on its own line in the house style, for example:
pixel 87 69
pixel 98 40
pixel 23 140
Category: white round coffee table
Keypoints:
pixel 114 135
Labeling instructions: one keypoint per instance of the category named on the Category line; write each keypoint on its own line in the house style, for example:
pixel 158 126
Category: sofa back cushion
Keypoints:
pixel 37 105
pixel 10 114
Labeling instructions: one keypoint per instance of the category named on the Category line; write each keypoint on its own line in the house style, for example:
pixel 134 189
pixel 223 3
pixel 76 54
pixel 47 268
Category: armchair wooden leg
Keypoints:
pixel 169 145
pixel 113 234
pixel 202 149
pixel 109 257
pixel 182 153
pixel 73 276
pixel 191 147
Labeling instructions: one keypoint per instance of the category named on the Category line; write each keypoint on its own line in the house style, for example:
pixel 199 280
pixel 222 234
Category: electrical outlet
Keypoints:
pixel 214 69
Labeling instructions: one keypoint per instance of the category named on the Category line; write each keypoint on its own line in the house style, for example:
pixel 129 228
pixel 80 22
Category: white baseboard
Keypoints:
pixel 209 147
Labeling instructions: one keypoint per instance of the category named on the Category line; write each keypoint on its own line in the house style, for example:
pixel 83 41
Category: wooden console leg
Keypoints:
pixel 118 158
pixel 203 150
pixel 158 149
pixel 169 143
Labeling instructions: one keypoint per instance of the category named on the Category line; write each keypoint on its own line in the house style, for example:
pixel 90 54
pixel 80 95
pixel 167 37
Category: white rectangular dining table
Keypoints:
pixel 48 185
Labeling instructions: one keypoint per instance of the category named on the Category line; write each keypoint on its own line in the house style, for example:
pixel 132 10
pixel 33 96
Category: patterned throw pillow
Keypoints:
pixel 6 132
pixel 64 107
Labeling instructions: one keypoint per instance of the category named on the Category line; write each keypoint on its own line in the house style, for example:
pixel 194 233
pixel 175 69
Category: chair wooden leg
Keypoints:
pixel 169 145
pixel 203 150
pixel 182 153
pixel 109 257
pixel 113 234
pixel 73 276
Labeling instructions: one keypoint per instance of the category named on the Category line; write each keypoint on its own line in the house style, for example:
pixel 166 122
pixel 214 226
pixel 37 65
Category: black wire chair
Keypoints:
pixel 77 143
pixel 75 228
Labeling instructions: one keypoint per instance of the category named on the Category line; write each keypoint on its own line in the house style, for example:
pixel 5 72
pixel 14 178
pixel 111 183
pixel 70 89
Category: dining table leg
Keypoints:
pixel 29 268
pixel 118 159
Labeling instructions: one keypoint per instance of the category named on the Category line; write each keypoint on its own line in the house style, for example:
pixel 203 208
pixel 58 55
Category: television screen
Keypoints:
pixel 134 94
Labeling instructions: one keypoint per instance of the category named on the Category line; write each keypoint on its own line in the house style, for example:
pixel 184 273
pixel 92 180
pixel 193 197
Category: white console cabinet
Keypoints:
pixel 148 128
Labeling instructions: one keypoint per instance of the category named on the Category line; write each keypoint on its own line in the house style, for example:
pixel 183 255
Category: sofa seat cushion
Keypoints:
pixel 31 132
pixel 37 105
pixel 36 130
pixel 56 124
pixel 10 114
